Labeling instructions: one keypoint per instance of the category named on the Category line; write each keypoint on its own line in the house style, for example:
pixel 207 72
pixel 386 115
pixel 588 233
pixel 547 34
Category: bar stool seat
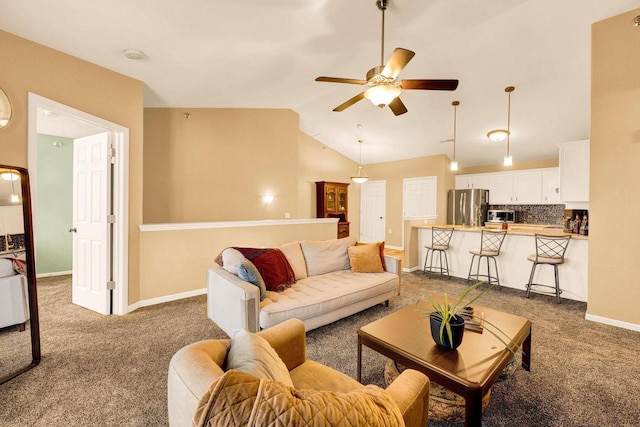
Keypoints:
pixel 550 250
pixel 490 244
pixel 440 239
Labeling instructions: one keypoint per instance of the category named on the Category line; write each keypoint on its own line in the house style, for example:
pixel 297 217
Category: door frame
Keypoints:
pixel 120 138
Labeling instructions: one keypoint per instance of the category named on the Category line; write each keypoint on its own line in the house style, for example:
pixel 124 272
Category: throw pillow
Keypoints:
pixel 231 259
pixel 384 266
pixel 293 252
pixel 325 256
pixel 249 273
pixel 252 354
pixel 365 259
pixel 273 267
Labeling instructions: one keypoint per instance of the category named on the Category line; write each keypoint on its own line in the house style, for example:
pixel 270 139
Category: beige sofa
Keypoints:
pixel 195 367
pixel 14 300
pixel 326 289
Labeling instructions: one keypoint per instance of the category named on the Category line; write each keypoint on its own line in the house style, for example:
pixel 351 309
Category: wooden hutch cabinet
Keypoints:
pixel 332 202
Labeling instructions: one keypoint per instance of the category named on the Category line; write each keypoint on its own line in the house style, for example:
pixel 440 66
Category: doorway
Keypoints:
pixel 373 204
pixel 73 123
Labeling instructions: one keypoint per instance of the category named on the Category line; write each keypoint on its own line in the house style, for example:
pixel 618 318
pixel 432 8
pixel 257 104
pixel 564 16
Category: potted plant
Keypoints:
pixel 449 316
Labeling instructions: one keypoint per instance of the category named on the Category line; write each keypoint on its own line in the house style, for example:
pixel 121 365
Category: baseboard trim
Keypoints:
pixel 397 248
pixel 52 274
pixel 411 269
pixel 166 298
pixel 613 322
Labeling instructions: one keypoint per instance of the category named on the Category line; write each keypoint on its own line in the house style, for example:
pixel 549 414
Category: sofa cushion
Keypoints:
pixel 237 399
pixel 365 258
pixel 381 247
pixel 293 252
pixel 248 272
pixel 252 354
pixel 318 295
pixel 6 267
pixel 325 256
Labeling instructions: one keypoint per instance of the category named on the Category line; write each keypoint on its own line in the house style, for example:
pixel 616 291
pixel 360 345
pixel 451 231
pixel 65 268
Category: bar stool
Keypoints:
pixel 490 244
pixel 550 250
pixel 440 238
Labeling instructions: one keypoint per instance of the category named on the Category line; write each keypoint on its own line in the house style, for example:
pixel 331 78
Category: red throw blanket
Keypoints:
pixel 273 267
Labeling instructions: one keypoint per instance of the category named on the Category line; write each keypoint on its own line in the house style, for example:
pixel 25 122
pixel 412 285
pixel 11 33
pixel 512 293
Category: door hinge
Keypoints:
pixel 111 219
pixel 112 154
pixel 111 285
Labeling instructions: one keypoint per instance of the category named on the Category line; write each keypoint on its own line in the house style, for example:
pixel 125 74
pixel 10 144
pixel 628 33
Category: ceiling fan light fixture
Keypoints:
pixel 498 135
pixel 382 95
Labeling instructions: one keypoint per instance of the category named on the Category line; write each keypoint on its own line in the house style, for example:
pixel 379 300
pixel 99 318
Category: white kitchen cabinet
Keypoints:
pixel 551 186
pixel 527 188
pixel 574 173
pixel 464 182
pixel 501 188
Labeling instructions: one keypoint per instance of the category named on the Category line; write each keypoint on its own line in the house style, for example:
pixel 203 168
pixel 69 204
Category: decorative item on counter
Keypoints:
pixel 584 227
pixel 576 225
pixel 505 225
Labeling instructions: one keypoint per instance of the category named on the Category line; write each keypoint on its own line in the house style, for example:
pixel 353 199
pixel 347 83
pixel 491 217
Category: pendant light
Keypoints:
pixel 15 197
pixel 454 162
pixel 360 176
pixel 508 160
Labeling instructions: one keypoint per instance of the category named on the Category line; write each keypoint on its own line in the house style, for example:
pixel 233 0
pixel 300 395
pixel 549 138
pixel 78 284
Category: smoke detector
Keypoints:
pixel 134 54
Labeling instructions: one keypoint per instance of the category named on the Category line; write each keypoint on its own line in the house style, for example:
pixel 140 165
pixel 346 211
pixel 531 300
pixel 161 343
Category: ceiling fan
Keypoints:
pixel 383 87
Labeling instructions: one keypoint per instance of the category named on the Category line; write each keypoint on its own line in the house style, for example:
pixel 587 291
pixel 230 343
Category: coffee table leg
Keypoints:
pixel 473 409
pixel 526 352
pixel 359 366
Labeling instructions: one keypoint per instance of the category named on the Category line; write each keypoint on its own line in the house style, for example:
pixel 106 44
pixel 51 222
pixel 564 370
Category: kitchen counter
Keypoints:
pixel 513 266
pixel 517 228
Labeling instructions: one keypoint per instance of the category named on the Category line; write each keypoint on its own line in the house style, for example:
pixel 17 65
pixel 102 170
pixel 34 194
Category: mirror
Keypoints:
pixel 5 109
pixel 19 325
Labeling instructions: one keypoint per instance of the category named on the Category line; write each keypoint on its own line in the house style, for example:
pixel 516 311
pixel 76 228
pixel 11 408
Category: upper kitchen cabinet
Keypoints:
pixel 574 174
pixel 464 182
pixel 524 187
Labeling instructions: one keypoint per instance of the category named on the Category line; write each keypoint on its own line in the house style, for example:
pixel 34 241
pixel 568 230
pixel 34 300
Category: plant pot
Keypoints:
pixel 457 332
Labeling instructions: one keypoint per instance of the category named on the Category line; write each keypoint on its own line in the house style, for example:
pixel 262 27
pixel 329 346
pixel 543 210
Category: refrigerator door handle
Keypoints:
pixel 463 207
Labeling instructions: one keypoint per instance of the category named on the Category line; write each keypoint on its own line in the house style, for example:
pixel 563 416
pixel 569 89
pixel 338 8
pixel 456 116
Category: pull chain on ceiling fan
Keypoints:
pixel 383 87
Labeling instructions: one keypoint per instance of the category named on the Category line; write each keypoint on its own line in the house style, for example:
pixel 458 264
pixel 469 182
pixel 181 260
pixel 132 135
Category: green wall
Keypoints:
pixel 53 209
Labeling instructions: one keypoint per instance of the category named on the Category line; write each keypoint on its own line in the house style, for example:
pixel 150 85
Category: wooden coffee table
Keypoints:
pixel 470 370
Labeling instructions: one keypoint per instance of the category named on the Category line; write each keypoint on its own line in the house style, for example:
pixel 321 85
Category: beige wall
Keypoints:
pixel 176 261
pixel 394 173
pixel 29 67
pixel 614 239
pixel 317 162
pixel 216 164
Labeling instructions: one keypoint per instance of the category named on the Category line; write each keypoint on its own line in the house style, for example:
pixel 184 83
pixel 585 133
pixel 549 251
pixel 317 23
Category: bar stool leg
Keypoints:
pixel 495 265
pixel 533 269
pixel 473 257
pixel 446 260
pixel 426 258
pixel 555 268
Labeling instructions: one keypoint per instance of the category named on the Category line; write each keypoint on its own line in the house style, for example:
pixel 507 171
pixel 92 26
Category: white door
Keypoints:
pixel 373 199
pixel 91 242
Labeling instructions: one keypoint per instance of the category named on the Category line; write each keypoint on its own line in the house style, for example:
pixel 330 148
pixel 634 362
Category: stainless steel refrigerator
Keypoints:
pixel 467 207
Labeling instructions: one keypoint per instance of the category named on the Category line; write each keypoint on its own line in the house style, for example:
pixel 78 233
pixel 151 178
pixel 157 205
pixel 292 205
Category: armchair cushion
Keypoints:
pixel 239 399
pixel 252 354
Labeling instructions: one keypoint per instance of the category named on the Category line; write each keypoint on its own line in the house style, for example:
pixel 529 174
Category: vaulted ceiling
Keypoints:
pixel 266 54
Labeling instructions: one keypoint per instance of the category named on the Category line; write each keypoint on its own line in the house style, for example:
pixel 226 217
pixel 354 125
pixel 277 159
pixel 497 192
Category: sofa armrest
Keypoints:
pixel 410 391
pixel 394 265
pixel 288 339
pixel 232 303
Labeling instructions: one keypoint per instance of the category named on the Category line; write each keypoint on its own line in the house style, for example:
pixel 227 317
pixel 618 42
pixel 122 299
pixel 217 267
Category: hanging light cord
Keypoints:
pixel 383 7
pixel 455 109
pixel 509 89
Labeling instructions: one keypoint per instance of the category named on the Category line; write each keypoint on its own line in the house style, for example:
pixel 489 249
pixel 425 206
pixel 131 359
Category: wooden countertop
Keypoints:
pixel 521 229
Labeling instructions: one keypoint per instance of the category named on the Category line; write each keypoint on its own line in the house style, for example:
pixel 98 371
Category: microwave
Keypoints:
pixel 494 215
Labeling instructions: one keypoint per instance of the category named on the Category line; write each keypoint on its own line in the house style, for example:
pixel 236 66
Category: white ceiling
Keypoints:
pixel 266 54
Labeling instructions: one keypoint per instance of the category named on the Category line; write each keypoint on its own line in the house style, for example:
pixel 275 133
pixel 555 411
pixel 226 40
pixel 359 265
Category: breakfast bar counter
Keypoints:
pixel 513 266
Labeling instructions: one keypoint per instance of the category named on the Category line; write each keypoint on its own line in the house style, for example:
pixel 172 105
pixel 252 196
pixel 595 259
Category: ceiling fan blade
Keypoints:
pixel 397 106
pixel 399 59
pixel 429 84
pixel 350 102
pixel 340 80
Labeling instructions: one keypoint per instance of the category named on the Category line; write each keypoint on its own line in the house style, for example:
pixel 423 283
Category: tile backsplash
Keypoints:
pixel 536 214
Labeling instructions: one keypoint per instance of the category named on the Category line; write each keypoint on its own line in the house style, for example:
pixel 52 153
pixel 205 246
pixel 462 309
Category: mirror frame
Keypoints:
pixel 34 326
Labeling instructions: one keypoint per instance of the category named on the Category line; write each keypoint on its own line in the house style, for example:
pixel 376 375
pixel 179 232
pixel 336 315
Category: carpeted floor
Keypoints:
pixel 111 371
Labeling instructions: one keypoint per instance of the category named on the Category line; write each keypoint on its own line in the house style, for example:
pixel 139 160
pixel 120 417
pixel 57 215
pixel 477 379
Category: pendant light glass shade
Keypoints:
pixel 360 176
pixel 382 95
